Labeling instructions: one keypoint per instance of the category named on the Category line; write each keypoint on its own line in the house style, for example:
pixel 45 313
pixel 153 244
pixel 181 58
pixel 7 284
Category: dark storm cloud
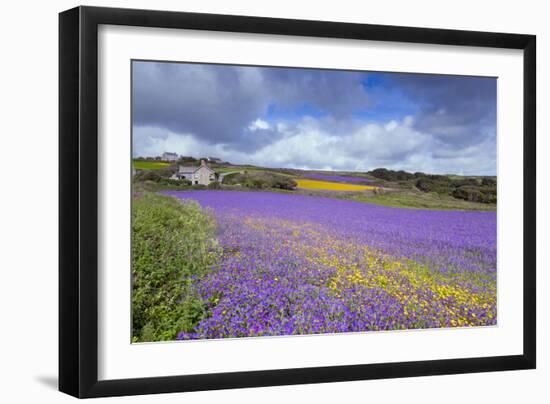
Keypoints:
pixel 456 110
pixel 217 103
pixel 213 104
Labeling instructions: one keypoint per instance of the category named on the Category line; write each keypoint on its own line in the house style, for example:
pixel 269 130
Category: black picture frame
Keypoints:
pixel 78 201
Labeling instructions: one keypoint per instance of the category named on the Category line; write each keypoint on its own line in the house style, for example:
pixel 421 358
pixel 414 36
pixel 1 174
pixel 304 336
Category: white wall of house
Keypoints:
pixel 203 176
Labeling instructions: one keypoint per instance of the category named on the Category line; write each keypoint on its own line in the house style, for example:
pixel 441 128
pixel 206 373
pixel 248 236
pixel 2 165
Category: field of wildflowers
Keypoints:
pixel 297 264
pixel 338 178
pixel 309 184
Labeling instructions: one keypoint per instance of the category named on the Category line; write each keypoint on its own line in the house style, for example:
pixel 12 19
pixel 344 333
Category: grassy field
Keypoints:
pixel 150 165
pixel 397 198
pixel 274 171
pixel 417 200
pixel 403 194
pixel 227 169
pixel 330 186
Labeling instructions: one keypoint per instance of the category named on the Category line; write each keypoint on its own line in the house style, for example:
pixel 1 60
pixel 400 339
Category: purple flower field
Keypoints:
pixel 296 264
pixel 338 178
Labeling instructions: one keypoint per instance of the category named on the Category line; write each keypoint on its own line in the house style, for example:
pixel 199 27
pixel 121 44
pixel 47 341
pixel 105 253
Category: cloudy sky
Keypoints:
pixel 316 119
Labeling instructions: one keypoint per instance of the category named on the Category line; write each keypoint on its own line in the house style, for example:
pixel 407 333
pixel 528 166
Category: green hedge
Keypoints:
pixel 172 243
pixel 441 186
pixel 476 194
pixel 261 180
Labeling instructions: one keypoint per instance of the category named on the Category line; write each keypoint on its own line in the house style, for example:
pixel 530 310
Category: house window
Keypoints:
pixel 196 182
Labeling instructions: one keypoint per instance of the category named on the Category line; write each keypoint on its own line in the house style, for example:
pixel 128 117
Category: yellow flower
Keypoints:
pixel 331 186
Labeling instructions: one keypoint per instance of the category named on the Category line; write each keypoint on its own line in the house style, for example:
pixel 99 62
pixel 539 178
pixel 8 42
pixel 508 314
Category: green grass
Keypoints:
pixel 171 243
pixel 462 177
pixel 150 165
pixel 226 169
pixel 269 170
pixel 275 171
pixel 417 200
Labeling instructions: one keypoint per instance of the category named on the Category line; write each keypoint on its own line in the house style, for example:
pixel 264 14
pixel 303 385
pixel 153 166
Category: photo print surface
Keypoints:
pixel 279 201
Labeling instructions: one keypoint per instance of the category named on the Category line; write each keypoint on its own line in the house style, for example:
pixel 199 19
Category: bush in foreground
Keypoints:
pixel 172 244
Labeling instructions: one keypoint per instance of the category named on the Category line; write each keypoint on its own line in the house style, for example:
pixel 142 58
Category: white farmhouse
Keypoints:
pixel 201 175
pixel 166 156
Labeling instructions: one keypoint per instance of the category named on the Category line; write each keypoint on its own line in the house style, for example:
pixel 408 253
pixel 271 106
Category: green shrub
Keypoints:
pixel 466 181
pixel 167 172
pixel 488 182
pixel 261 180
pixel 476 194
pixel 391 175
pixel 172 243
pixel 430 184
pixel 468 194
pixel 177 183
pixel 147 175
pixel 154 181
pixel 282 182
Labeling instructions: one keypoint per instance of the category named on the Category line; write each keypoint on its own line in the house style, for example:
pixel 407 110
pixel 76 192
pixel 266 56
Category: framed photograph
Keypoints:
pixel 251 201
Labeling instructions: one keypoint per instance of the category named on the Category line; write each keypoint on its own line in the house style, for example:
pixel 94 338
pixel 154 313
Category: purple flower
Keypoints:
pixel 297 264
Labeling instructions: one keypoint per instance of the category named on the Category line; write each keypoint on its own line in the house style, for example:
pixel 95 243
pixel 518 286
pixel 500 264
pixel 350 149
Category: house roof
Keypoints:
pixel 191 169
pixel 187 169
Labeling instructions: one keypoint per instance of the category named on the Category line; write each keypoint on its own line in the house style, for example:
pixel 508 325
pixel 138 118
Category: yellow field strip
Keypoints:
pixel 331 186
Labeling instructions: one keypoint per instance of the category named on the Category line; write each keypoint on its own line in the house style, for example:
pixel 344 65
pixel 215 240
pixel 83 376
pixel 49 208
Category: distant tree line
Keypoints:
pixel 474 189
